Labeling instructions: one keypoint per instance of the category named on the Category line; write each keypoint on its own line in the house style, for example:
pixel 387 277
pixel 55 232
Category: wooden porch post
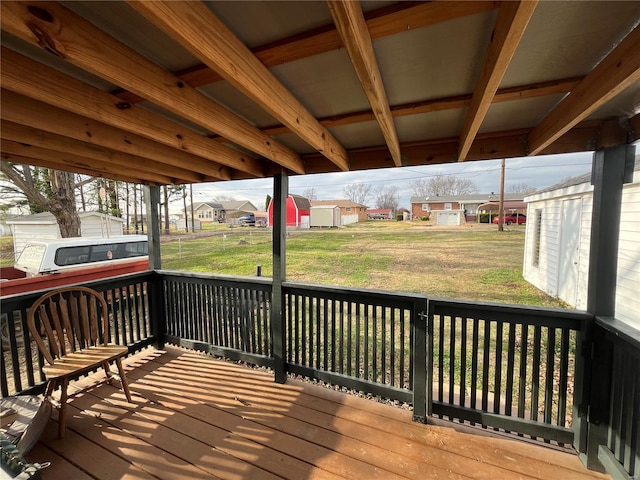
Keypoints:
pixel 612 168
pixel 280 193
pixel 156 305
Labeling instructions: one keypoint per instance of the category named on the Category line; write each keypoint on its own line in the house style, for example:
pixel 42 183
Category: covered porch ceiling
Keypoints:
pixel 186 92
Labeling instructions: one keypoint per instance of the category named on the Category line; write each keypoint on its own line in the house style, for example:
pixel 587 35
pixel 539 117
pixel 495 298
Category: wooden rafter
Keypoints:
pixel 67 35
pixel 381 22
pixel 541 89
pixel 95 154
pixel 512 20
pixel 26 111
pixel 41 157
pixel 197 29
pixel 488 146
pixel 26 77
pixel 618 70
pixel 347 15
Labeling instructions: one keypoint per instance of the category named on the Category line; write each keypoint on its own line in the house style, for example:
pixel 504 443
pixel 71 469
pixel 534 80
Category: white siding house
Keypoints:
pixel 558 234
pixel 43 226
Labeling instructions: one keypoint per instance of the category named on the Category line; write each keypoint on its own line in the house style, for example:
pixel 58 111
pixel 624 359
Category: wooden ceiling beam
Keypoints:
pixel 26 111
pixel 27 77
pixel 56 29
pixel 617 71
pixel 488 146
pixel 41 157
pixel 512 20
pixel 382 22
pixel 350 23
pixel 541 89
pixel 92 153
pixel 197 29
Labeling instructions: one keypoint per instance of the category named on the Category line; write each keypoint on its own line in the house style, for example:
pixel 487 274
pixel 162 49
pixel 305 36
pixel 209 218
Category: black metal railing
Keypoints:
pixel 222 315
pixel 502 367
pixel 130 325
pixel 359 339
pixel 506 367
pixel 619 397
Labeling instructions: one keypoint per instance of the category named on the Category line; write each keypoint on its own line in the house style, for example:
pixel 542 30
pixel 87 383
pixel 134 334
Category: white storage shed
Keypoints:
pixel 43 226
pixel 558 233
pixel 324 216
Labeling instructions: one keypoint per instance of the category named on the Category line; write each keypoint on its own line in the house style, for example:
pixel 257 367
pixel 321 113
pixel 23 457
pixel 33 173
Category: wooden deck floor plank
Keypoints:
pixel 321 456
pixel 199 441
pixel 381 448
pixel 154 428
pixel 58 467
pixel 90 456
pixel 444 448
pixel 195 416
pixel 148 458
pixel 359 410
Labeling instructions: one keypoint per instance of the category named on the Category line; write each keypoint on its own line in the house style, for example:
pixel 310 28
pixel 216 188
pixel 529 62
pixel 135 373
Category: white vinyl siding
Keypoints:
pixel 546 275
pixel 628 278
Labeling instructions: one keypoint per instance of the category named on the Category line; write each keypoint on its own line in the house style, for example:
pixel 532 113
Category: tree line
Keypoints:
pixel 36 189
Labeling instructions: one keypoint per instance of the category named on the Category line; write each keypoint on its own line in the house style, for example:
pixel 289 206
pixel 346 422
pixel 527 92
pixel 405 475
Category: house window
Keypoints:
pixel 348 209
pixel 537 231
pixel 425 207
pixel 447 206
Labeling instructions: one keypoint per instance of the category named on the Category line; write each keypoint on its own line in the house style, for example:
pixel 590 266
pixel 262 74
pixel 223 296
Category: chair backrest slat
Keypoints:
pixel 48 331
pixel 55 320
pixel 68 328
pixel 93 321
pixel 75 321
pixel 84 316
pixel 68 318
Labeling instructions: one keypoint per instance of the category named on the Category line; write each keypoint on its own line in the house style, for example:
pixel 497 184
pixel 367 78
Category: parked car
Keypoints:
pixel 518 219
pixel 247 220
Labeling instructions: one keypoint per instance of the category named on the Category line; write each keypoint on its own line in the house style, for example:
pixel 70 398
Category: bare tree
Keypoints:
pixel 522 188
pixel 358 192
pixel 387 197
pixel 310 194
pixel 442 185
pixel 46 190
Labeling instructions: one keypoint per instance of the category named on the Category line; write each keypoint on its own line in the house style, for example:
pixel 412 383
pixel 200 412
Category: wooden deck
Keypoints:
pixel 196 417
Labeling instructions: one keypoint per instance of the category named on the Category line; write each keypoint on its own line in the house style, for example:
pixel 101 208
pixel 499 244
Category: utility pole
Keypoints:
pixel 501 204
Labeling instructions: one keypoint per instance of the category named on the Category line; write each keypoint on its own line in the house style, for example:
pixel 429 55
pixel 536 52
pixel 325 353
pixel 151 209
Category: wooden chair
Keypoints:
pixel 71 327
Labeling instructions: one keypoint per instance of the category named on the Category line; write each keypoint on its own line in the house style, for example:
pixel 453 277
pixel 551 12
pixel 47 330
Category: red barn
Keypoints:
pixel 297 211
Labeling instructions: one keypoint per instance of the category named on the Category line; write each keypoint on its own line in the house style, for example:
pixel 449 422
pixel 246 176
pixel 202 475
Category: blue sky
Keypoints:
pixel 539 172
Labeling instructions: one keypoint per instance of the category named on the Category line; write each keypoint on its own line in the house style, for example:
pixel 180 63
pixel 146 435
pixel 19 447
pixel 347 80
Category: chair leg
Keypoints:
pixel 62 415
pixel 107 372
pixel 50 388
pixel 123 379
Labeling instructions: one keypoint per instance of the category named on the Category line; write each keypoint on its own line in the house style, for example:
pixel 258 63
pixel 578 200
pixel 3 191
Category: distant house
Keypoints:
pixel 557 243
pixel 350 212
pixel 297 215
pixel 379 214
pixel 43 226
pixel 456 209
pixel 212 212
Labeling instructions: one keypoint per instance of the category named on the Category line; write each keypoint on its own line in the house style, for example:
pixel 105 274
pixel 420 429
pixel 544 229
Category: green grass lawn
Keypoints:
pixel 473 262
pixel 6 251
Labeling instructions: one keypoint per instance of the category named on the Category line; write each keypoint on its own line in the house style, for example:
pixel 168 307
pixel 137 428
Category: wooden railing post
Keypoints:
pixel 278 338
pixel 612 167
pixel 156 300
pixel 422 390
